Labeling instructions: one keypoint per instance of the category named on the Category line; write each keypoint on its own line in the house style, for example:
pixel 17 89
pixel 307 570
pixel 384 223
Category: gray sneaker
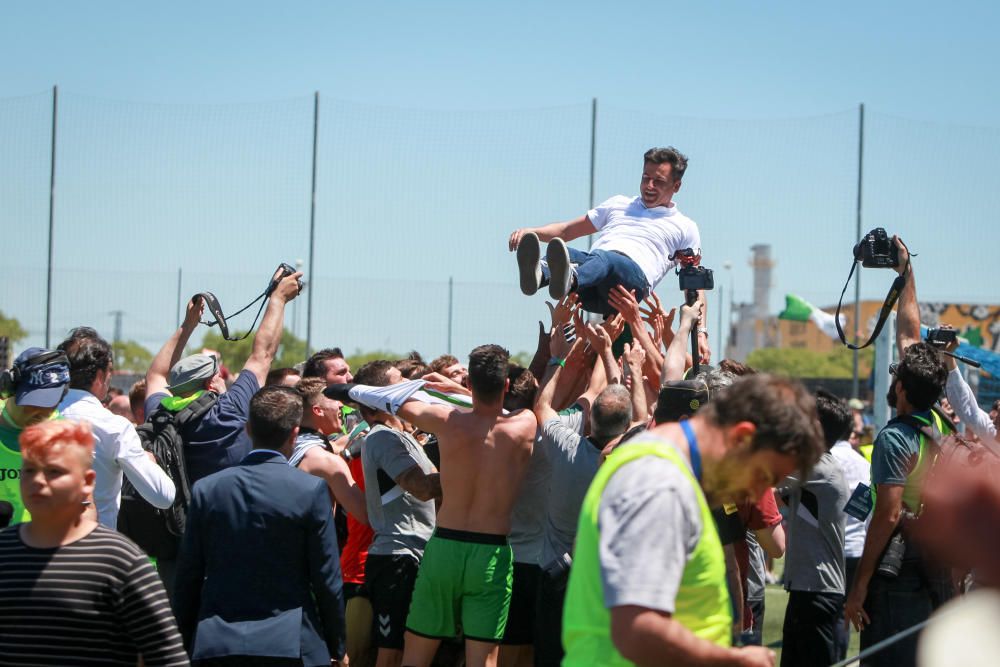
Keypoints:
pixel 529 255
pixel 560 271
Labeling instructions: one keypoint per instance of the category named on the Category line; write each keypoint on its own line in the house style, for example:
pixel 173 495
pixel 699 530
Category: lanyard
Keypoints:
pixel 692 448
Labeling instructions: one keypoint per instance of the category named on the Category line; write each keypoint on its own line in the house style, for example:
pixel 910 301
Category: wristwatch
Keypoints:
pixel 703 330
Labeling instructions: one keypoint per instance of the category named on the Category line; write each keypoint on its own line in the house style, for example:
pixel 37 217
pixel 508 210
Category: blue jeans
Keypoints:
pixel 599 271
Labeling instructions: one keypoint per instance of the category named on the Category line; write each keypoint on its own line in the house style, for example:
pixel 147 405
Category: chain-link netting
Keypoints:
pixel 156 202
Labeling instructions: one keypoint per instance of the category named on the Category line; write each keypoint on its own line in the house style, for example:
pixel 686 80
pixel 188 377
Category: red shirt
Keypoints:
pixel 761 514
pixel 359 536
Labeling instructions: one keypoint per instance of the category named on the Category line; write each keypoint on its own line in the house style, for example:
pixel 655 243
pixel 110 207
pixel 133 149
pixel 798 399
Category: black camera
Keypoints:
pixel 877 250
pixel 692 276
pixel 941 337
pixel 284 270
pixel 696 278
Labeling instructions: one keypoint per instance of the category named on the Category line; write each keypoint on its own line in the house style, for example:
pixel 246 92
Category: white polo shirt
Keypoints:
pixel 648 236
pixel 117 451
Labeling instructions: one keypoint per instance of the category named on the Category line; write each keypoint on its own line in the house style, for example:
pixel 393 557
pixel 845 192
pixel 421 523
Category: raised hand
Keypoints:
pixel 597 337
pixel 624 302
pixel 635 356
pixel 562 339
pixel 904 255
pixel 691 314
pixel 195 309
pixel 516 236
pixel 288 287
pixel 614 326
pixel 563 311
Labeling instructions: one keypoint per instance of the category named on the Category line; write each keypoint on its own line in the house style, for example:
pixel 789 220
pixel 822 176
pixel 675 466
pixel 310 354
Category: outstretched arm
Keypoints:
pixel 559 348
pixel 634 357
pixel 170 353
pixel 600 342
pixel 964 402
pixel 676 359
pixel 624 302
pixel 566 230
pixel 908 312
pixel 265 343
pixel 337 475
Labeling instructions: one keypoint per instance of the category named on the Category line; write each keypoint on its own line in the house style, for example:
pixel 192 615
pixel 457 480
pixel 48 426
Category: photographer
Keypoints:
pixel 890 596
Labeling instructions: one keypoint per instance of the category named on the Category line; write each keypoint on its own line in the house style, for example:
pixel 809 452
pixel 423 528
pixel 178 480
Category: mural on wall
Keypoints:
pixel 977 323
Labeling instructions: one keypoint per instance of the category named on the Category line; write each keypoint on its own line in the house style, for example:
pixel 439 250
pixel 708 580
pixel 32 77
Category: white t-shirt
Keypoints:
pixel 856 471
pixel 648 236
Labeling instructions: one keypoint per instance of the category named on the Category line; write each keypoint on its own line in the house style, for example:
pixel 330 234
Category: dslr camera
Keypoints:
pixel 877 251
pixel 692 276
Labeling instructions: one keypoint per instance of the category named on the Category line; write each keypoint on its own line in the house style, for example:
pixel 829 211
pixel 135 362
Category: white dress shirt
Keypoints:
pixel 117 450
pixel 856 471
pixel 964 404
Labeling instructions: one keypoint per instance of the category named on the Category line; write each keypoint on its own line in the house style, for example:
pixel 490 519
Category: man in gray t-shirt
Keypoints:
pixel 814 558
pixel 573 460
pixel 401 521
pixel 401 485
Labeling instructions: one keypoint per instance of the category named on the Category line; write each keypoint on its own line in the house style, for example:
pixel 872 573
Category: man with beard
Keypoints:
pixel 648 582
pixel 883 601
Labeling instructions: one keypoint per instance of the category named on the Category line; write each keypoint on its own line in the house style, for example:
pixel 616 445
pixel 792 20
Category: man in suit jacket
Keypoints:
pixel 258 576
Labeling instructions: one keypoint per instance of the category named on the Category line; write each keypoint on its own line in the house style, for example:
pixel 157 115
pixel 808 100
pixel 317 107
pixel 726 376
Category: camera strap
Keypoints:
pixel 212 303
pixel 890 302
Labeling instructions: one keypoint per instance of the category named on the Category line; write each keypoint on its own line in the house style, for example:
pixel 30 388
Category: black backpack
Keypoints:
pixel 157 531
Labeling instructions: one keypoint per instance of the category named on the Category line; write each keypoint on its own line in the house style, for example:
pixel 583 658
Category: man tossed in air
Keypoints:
pixel 639 237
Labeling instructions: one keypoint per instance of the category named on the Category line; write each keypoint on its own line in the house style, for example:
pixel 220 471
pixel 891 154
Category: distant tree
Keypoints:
pixel 131 356
pixel 359 358
pixel 235 353
pixel 522 358
pixel 804 363
pixel 11 328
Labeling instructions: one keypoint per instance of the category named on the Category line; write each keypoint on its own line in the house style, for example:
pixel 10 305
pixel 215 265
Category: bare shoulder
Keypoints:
pixel 318 461
pixel 521 423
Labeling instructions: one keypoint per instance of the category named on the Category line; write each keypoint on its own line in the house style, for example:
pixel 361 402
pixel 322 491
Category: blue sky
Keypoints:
pixel 185 137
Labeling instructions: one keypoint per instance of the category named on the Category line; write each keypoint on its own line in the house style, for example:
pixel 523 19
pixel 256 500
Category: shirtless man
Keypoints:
pixel 465 576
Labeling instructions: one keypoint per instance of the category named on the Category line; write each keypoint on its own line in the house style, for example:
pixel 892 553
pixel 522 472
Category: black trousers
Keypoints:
pixel 897 603
pixel 548 617
pixel 809 636
pixel 844 633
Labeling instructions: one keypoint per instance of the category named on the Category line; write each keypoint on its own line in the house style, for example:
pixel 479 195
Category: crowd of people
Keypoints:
pixel 606 505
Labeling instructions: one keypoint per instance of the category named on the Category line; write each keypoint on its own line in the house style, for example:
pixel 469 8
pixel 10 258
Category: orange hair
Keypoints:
pixel 41 438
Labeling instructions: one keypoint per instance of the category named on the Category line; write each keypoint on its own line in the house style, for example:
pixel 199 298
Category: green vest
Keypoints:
pixel 10 468
pixel 925 459
pixel 702 604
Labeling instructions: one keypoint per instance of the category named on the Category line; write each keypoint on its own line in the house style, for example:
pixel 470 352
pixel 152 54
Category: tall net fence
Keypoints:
pixel 414 207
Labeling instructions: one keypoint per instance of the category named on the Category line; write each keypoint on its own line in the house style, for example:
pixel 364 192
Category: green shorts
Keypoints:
pixel 465 582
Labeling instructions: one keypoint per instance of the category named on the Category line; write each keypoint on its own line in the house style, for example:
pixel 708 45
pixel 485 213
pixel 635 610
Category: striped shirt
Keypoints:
pixel 96 601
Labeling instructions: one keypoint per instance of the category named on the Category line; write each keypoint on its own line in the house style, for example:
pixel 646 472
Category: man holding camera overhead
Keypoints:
pixel 894 588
